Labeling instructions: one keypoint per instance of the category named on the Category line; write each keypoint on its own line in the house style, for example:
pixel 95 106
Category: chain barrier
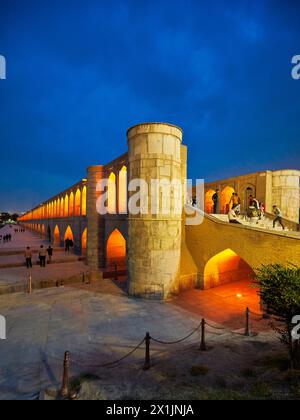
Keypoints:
pixel 177 341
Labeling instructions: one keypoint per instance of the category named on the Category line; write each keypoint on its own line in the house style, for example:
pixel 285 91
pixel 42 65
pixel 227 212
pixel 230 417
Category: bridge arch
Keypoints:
pixel 226 195
pixel 69 234
pixel 77 203
pixel 83 201
pixel 66 209
pixel 116 249
pixel 71 204
pixel 226 267
pixel 209 204
pixel 83 241
pixel 112 194
pixel 122 193
pixel 56 236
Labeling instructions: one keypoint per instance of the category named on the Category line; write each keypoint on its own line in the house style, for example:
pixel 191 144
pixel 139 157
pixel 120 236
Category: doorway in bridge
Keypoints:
pixel 68 236
pixel 83 242
pixel 209 204
pixel 56 236
pixel 226 195
pixel 116 250
pixel 226 267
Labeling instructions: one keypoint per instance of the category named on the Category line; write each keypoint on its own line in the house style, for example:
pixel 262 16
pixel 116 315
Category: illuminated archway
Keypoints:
pixel 61 207
pixel 66 212
pixel 123 190
pixel 226 267
pixel 112 194
pixel 209 204
pixel 69 234
pixel 83 202
pixel 43 231
pixel 226 195
pixel 83 241
pixel 56 236
pixel 71 204
pixel 116 249
pixel 77 203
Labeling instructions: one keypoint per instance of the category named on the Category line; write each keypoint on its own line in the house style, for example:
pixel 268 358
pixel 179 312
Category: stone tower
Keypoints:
pixel 154 240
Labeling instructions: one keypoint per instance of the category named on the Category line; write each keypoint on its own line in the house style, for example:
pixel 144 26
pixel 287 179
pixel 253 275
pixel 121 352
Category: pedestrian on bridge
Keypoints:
pixel 216 201
pixel 278 217
pixel 42 256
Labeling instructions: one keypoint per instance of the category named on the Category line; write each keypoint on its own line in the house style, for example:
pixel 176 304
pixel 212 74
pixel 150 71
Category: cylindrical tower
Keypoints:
pixel 285 193
pixel 154 239
pixel 95 223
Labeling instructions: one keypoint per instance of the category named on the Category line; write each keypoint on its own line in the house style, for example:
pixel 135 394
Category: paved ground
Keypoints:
pixel 98 324
pixel 19 240
pixel 12 266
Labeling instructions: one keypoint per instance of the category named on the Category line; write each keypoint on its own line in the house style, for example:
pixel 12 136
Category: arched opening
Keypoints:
pixel 43 231
pixel 77 203
pixel 61 207
pixel 111 194
pixel 123 190
pixel 48 234
pixel 83 202
pixel 56 236
pixel 209 204
pixel 71 204
pixel 226 267
pixel 83 242
pixel 69 234
pixel 226 195
pixel 66 212
pixel 116 250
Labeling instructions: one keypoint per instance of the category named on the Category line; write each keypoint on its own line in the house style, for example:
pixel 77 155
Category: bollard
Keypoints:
pixel 147 355
pixel 203 344
pixel 65 380
pixel 116 271
pixel 247 330
pixel 30 285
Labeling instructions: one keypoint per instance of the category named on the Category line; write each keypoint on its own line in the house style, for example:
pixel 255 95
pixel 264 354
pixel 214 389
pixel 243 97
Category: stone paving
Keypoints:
pixel 96 323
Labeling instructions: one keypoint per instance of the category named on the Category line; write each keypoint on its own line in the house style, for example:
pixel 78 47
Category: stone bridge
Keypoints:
pixel 161 254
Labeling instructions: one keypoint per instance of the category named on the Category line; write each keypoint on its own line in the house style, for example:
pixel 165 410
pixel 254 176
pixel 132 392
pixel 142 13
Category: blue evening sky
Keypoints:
pixel 80 73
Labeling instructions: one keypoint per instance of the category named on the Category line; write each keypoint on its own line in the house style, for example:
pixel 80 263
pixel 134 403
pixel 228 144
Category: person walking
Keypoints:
pixel 216 201
pixel 28 257
pixel 42 256
pixel 278 217
pixel 50 253
pixel 234 201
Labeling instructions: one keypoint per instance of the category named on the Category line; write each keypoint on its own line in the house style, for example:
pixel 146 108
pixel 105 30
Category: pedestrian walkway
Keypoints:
pixel 19 239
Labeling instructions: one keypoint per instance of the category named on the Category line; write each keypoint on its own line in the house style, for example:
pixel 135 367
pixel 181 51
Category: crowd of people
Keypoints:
pixel 5 238
pixel 255 209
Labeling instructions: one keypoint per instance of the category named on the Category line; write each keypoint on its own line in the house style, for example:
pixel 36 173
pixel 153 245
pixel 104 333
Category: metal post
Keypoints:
pixel 247 330
pixel 203 344
pixel 147 355
pixel 65 381
pixel 30 285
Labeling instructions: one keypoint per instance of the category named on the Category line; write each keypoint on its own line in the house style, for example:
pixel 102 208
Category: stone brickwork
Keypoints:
pixel 154 241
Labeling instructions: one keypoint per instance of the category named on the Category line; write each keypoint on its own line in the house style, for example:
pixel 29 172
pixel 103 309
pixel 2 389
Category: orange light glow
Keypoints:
pixel 116 249
pixel 83 202
pixel 226 267
pixel 209 204
pixel 77 203
pixel 83 241
pixel 71 204
pixel 123 190
pixel 226 195
pixel 69 234
pixel 56 235
pixel 111 194
pixel 66 212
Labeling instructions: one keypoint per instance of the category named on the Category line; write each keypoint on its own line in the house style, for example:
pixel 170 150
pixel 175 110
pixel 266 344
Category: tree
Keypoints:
pixel 280 292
